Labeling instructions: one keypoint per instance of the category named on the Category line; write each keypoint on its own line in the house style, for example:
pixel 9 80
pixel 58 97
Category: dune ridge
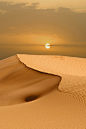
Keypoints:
pixel 72 70
pixel 52 110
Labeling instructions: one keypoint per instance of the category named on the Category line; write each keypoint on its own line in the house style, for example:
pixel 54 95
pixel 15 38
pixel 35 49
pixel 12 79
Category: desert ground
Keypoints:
pixel 42 92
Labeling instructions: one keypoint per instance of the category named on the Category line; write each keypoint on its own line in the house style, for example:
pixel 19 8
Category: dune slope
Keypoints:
pixel 71 69
pixel 19 84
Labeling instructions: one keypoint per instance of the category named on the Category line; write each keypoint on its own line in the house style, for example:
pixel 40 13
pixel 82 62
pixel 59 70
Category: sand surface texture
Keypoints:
pixel 35 100
pixel 71 69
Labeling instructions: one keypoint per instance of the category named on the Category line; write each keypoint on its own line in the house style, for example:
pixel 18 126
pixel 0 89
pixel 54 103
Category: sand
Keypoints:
pixel 32 99
pixel 20 84
pixel 72 70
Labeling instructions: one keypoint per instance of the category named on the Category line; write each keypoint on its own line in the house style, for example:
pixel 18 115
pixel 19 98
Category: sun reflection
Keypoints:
pixel 47 45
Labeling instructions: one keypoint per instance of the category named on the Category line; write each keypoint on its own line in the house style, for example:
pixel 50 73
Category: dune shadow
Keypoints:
pixel 31 98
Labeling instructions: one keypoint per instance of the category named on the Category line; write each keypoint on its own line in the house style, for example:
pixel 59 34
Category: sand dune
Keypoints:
pixel 71 69
pixel 30 99
pixel 19 84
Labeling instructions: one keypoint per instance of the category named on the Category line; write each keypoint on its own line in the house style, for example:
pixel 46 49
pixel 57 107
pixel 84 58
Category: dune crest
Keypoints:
pixel 71 69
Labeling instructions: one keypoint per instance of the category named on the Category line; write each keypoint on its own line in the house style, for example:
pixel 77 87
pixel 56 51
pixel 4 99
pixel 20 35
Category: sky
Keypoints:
pixel 27 25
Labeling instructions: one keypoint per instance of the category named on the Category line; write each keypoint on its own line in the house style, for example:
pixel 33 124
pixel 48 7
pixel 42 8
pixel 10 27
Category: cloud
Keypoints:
pixel 67 24
pixel 3 11
pixel 11 27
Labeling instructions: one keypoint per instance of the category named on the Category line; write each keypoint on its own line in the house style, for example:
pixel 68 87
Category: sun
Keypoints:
pixel 47 45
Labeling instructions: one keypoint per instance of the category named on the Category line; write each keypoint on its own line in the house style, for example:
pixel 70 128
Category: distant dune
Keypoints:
pixel 42 92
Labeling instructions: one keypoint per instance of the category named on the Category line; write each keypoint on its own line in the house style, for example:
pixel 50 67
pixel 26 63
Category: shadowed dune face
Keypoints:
pixel 19 84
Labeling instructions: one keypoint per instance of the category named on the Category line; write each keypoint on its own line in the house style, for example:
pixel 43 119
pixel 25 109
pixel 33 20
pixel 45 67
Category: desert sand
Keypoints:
pixel 20 84
pixel 42 92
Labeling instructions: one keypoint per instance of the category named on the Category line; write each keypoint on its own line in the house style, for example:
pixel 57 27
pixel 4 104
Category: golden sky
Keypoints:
pixel 73 4
pixel 61 22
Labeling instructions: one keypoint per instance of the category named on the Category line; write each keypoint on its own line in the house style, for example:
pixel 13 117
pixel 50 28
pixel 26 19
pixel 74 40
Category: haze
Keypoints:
pixel 26 26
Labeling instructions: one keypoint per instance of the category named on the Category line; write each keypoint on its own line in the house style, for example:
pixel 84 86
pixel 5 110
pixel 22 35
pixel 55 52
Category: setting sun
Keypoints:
pixel 47 45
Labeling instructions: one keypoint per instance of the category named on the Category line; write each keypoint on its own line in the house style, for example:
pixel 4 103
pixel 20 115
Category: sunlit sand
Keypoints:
pixel 42 92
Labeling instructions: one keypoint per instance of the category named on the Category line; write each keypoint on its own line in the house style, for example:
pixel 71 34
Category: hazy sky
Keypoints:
pixel 73 4
pixel 43 21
